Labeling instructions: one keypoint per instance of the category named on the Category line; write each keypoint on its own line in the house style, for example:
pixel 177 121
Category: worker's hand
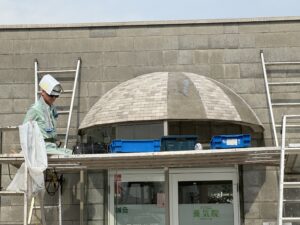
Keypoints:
pixel 58 143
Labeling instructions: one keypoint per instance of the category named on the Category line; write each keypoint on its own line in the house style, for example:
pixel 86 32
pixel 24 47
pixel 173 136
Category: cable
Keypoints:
pixel 53 181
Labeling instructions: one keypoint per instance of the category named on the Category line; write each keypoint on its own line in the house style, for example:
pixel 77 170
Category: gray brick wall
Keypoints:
pixel 225 50
pixel 260 194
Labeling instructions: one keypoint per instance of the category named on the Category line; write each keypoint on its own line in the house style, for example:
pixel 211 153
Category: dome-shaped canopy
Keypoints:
pixel 168 96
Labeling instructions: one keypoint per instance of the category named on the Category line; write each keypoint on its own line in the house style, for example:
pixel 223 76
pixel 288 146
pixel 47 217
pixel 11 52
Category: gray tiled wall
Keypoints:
pixel 227 51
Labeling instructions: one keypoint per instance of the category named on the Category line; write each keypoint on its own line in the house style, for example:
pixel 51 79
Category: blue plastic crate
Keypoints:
pixel 230 141
pixel 127 146
pixel 178 142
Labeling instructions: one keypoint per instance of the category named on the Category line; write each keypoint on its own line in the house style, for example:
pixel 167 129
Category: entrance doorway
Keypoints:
pixel 137 197
pixel 204 197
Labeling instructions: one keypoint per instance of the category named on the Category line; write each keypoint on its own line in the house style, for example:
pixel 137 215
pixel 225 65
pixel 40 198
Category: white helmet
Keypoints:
pixel 50 85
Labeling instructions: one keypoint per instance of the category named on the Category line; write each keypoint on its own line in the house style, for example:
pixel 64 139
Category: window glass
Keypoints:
pixel 205 203
pixel 140 203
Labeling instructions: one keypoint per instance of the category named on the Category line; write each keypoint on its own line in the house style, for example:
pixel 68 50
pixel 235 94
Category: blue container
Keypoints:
pixel 178 142
pixel 230 141
pixel 126 146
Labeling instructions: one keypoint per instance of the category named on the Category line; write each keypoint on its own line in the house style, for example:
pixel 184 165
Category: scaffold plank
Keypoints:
pixel 197 158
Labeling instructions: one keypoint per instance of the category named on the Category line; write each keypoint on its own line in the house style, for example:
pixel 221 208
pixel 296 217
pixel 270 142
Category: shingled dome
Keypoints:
pixel 169 96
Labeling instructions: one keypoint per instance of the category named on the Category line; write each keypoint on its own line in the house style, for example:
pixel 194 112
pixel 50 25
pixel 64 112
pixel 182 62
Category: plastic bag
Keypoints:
pixel 35 155
pixel 198 146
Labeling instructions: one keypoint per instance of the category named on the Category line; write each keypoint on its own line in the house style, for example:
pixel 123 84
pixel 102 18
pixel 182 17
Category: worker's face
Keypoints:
pixel 49 99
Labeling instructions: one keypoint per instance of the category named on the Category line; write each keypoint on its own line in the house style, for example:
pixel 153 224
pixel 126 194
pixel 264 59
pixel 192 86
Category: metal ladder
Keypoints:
pixel 42 207
pixel 14 193
pixel 267 87
pixel 37 74
pixel 282 183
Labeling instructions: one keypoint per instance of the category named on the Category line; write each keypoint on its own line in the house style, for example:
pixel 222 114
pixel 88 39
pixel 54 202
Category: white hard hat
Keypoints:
pixel 50 85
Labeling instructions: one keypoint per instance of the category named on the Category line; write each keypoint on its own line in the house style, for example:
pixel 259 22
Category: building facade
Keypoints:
pixel 227 51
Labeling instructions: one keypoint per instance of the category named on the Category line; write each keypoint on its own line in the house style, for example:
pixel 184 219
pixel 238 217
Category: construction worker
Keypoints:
pixel 45 114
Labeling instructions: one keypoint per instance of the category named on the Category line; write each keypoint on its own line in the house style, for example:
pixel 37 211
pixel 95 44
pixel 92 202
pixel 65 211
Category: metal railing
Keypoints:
pixel 282 183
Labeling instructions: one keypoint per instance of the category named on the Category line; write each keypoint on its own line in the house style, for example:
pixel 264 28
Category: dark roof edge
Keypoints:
pixel 150 23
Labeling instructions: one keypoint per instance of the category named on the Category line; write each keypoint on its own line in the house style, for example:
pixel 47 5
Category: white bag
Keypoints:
pixel 35 155
pixel 198 146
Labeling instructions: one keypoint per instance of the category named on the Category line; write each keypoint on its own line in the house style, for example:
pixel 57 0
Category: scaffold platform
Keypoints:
pixel 170 159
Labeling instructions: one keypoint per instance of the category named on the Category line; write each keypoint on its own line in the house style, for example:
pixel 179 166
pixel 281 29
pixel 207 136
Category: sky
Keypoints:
pixel 93 11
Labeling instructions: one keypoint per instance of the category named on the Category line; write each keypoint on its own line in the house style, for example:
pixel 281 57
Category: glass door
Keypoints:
pixel 137 197
pixel 204 197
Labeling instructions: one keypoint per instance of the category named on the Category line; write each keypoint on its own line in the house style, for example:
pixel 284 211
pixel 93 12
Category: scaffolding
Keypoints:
pixel 271 156
pixel 164 160
pixel 287 149
pixel 279 83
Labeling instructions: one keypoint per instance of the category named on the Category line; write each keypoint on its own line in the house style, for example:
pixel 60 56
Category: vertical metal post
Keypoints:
pixel 281 175
pixel 59 205
pixel 35 80
pixel 269 98
pixel 82 196
pixel 167 197
pixel 42 207
pixel 1 147
pixel 166 129
pixel 31 210
pixel 25 194
pixel 72 102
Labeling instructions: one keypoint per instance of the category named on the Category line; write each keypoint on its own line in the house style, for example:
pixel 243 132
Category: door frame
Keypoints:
pixel 202 174
pixel 129 175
